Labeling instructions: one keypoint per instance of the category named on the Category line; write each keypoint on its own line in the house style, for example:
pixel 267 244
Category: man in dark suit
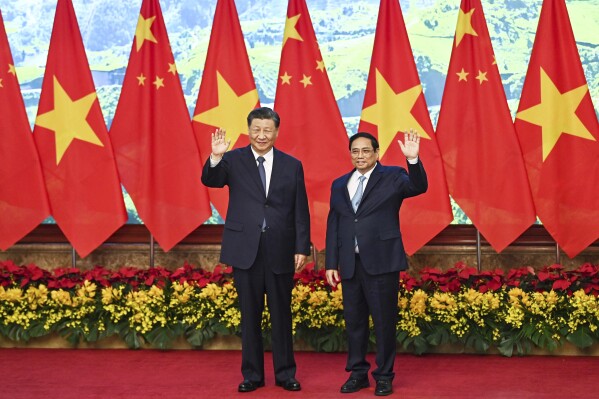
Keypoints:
pixel 365 252
pixel 266 239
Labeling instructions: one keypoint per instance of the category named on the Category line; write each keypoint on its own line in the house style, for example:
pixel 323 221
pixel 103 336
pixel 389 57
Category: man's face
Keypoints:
pixel 263 134
pixel 363 156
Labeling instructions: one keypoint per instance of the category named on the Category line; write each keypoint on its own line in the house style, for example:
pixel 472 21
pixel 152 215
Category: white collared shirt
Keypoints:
pixel 352 184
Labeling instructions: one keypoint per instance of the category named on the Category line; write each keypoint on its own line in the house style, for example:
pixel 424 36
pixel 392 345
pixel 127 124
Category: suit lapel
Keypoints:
pixel 346 194
pixel 277 169
pixel 375 176
pixel 250 162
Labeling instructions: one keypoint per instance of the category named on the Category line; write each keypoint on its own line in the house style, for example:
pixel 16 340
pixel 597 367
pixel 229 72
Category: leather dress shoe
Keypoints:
pixel 289 385
pixel 383 388
pixel 354 385
pixel 249 386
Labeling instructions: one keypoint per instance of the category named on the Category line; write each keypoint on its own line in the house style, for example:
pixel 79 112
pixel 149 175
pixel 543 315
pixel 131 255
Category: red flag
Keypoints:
pixel 558 131
pixel 23 200
pixel 393 103
pixel 483 162
pixel 311 126
pixel 73 144
pixel 227 93
pixel 153 139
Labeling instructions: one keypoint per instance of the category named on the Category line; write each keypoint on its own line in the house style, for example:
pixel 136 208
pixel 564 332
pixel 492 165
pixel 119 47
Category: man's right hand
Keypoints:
pixel 333 277
pixel 220 144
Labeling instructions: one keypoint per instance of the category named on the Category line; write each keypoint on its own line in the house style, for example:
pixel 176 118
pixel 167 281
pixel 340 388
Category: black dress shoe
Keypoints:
pixel 249 386
pixel 354 385
pixel 383 388
pixel 289 385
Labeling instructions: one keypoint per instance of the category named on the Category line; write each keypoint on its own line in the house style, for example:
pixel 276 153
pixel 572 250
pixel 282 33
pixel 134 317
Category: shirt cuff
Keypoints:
pixel 214 163
pixel 410 161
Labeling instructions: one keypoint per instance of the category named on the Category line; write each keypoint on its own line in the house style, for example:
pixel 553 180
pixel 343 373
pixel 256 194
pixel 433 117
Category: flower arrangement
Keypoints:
pixel 512 311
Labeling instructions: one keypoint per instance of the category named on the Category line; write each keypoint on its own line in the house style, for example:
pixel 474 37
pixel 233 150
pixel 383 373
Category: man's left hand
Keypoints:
pixel 300 262
pixel 411 145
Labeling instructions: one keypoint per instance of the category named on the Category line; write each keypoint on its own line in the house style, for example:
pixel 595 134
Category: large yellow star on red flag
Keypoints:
pixel 231 112
pixel 556 113
pixel 143 31
pixel 464 26
pixel 392 112
pixel 68 120
pixel 290 29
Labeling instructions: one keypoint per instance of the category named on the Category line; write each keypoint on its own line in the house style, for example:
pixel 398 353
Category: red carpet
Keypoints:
pixel 126 374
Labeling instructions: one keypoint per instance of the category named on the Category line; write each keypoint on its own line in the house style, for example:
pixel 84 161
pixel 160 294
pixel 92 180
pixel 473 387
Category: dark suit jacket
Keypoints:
pixel 375 224
pixel 285 209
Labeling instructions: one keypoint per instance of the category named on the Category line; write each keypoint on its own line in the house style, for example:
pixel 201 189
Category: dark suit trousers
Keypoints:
pixel 365 295
pixel 251 286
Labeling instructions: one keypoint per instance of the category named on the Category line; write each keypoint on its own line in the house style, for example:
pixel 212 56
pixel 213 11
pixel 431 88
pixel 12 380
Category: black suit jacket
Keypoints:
pixel 376 222
pixel 285 209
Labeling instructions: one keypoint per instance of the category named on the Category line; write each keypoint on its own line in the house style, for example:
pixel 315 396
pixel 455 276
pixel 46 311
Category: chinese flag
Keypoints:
pixel 227 93
pixel 155 148
pixel 394 103
pixel 23 200
pixel 558 132
pixel 311 126
pixel 483 162
pixel 73 144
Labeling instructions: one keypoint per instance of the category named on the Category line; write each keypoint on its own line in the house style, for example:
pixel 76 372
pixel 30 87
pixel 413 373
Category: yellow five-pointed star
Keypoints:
pixel 285 79
pixel 158 82
pixel 172 68
pixel 231 112
pixel 392 112
pixel 482 76
pixel 556 113
pixel 68 120
pixel 307 80
pixel 290 30
pixel 464 26
pixel 141 80
pixel 320 65
pixel 143 31
pixel 463 75
pixel 12 69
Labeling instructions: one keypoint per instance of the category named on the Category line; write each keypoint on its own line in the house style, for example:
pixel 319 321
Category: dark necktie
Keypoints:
pixel 262 173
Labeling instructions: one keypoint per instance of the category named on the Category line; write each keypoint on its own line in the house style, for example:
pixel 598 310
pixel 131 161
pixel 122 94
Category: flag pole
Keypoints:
pixel 478 251
pixel 151 250
pixel 73 257
pixel 315 256
pixel 557 254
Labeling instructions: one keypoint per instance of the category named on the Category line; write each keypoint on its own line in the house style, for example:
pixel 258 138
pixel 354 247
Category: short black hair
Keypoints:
pixel 264 113
pixel 373 140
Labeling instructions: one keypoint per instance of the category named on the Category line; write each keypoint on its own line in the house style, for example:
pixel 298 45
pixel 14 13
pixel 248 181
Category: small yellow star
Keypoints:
pixel 463 75
pixel 141 80
pixel 482 76
pixel 158 82
pixel 320 65
pixel 12 69
pixel 286 79
pixel 172 68
pixel 494 60
pixel 306 81
pixel 143 31
pixel 290 29
pixel 464 26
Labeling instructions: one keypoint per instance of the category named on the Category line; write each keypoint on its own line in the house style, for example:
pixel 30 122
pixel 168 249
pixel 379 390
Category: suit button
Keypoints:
pixel 356 220
pixel 266 205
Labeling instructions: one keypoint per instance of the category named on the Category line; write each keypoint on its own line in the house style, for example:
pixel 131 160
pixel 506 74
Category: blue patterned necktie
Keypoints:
pixel 355 201
pixel 262 173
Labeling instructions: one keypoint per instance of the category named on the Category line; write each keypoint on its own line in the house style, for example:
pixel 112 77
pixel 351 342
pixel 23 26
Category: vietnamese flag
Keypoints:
pixel 311 126
pixel 227 93
pixel 483 162
pixel 23 198
pixel 72 141
pixel 558 132
pixel 394 103
pixel 155 148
